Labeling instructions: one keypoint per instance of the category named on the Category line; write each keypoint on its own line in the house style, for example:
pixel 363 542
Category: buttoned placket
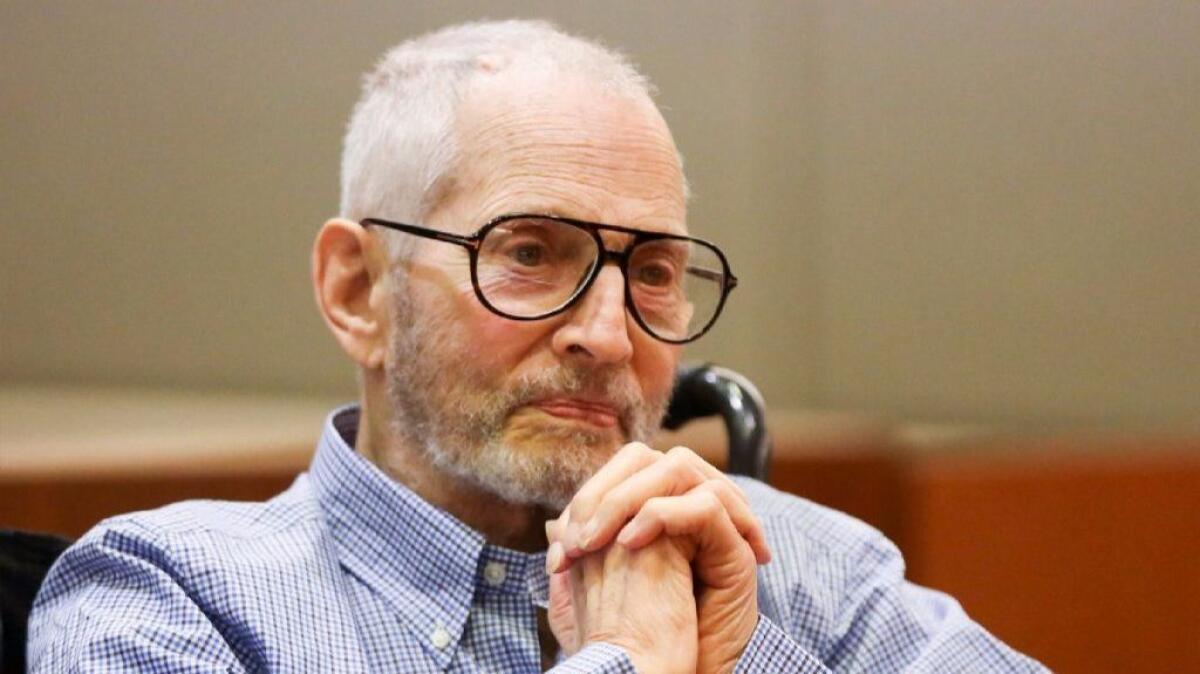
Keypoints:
pixel 503 621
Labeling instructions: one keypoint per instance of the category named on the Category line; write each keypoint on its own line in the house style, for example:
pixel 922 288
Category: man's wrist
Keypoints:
pixel 771 649
pixel 598 657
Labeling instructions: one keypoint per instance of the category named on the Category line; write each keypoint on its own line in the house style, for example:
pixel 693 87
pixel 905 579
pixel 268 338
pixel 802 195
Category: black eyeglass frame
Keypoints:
pixel 472 242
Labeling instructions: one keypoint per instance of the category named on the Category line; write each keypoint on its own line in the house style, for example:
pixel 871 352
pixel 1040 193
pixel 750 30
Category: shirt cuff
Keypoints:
pixel 770 649
pixel 597 658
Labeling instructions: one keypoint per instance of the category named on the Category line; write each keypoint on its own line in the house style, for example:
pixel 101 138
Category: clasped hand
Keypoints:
pixel 656 554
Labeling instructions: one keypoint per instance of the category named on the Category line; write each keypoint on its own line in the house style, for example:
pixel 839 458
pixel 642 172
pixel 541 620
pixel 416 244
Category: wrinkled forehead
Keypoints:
pixel 557 145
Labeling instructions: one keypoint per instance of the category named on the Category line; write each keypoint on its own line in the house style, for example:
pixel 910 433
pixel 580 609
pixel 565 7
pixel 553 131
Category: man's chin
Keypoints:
pixel 536 459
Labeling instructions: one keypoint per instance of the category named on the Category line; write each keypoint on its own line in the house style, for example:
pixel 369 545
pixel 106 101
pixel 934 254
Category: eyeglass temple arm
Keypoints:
pixel 707 390
pixel 730 281
pixel 422 231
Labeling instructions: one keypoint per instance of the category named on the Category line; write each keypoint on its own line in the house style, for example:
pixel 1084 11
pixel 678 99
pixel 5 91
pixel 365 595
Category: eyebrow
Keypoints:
pixel 542 208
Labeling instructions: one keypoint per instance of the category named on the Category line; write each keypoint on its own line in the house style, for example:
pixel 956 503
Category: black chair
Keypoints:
pixel 707 390
pixel 24 560
pixel 700 391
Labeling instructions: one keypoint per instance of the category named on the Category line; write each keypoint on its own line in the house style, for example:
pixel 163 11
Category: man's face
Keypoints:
pixel 529 409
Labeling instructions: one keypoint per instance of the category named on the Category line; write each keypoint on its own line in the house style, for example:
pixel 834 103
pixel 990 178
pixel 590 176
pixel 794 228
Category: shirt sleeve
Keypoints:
pixel 770 649
pixel 835 599
pixel 886 623
pixel 600 658
pixel 110 604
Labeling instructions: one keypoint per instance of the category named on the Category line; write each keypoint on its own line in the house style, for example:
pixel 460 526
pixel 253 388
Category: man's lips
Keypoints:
pixel 595 413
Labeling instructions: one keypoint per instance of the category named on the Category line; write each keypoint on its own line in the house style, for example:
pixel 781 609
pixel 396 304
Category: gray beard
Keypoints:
pixel 456 414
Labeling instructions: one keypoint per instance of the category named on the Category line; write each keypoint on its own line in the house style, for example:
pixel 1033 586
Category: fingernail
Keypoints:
pixel 570 538
pixel 554 557
pixel 550 529
pixel 588 533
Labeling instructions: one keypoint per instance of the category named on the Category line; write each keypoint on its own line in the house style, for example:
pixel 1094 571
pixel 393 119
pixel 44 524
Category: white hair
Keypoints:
pixel 400 145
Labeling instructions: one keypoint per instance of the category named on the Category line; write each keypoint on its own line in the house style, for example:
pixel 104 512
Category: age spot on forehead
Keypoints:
pixel 492 63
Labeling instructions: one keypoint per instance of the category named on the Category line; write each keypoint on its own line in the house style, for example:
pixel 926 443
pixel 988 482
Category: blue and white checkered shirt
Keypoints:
pixel 348 571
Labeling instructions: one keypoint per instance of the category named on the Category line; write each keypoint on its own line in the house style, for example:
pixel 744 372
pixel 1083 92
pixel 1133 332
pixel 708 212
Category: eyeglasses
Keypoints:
pixel 529 267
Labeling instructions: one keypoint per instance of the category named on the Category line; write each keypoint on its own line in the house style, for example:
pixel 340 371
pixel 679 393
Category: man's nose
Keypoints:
pixel 598 327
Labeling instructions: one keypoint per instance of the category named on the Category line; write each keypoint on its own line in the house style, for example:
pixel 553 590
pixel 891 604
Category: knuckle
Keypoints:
pixel 683 453
pixel 681 463
pixel 636 450
pixel 723 485
pixel 726 491
pixel 608 505
pixel 711 503
pixel 675 463
pixel 685 461
pixel 582 507
pixel 654 507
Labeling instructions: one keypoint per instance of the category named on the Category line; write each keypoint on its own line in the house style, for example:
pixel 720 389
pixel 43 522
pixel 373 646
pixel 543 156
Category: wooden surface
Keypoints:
pixel 1081 550
pixel 1085 552
pixel 52 432
pixel 72 456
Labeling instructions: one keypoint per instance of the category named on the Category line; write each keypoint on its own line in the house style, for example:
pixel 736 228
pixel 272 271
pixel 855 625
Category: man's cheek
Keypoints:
pixel 656 363
pixel 501 339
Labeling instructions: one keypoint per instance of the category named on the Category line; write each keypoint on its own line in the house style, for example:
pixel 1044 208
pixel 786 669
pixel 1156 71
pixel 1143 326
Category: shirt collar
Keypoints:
pixel 423 562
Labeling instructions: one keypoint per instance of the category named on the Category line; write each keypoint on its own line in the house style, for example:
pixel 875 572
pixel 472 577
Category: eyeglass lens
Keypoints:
pixel 529 267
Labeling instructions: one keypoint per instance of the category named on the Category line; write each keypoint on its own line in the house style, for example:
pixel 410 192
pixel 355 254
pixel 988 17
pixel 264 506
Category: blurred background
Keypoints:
pixel 968 235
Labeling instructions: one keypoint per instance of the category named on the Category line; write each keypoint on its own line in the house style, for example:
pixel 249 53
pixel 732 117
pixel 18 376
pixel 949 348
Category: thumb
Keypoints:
pixel 561 613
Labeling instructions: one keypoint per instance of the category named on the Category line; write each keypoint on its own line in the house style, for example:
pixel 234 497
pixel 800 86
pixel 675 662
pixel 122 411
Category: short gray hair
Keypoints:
pixel 400 144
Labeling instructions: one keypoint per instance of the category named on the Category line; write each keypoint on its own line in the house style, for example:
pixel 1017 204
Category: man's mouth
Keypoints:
pixel 596 413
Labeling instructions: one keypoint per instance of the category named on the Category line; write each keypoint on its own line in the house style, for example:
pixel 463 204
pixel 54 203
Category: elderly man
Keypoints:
pixel 513 277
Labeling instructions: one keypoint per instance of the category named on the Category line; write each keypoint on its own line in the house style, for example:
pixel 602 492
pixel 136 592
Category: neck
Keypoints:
pixel 517 526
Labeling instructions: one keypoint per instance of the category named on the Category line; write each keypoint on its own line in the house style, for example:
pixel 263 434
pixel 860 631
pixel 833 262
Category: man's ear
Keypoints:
pixel 349 280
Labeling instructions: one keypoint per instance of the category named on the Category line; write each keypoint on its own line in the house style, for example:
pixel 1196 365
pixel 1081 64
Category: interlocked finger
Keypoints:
pixel 554 546
pixel 644 527
pixel 678 473
pixel 629 460
pixel 710 470
pixel 700 516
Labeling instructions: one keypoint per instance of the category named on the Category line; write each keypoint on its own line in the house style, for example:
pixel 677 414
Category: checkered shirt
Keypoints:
pixel 348 571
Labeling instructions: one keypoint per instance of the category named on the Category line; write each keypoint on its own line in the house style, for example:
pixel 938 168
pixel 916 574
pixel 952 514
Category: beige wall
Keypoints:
pixel 981 211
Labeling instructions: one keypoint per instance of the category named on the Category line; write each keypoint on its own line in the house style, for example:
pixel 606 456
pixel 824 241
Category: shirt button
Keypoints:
pixel 494 573
pixel 440 637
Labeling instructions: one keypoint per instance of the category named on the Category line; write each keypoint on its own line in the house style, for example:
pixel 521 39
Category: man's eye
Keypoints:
pixel 528 254
pixel 656 274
